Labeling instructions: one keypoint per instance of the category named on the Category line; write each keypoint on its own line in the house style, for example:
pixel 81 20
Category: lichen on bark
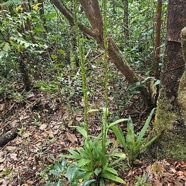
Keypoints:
pixel 170 117
pixel 182 85
pixel 165 115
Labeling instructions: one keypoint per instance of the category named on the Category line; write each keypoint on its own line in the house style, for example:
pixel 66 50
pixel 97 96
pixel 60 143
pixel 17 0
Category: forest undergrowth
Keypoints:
pixel 45 116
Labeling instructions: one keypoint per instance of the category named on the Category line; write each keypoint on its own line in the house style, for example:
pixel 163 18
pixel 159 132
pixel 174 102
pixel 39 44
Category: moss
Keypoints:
pixel 182 97
pixel 165 115
pixel 171 143
pixel 182 85
pixel 170 120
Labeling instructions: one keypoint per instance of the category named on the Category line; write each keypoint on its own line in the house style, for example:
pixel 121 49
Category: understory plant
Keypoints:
pixel 142 181
pixel 93 158
pixel 61 174
pixel 133 144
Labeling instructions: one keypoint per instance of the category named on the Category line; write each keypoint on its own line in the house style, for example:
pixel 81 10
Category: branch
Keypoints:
pixel 70 18
pixel 93 13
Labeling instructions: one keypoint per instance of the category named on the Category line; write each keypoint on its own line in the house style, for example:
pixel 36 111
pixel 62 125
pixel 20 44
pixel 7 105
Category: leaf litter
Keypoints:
pixel 44 130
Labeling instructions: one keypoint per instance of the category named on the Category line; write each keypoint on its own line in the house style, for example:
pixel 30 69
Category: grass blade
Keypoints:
pixel 143 130
pixel 119 135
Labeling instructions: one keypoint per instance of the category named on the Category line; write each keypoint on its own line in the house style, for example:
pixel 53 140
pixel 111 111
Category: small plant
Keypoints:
pixel 133 144
pixel 92 159
pixel 60 174
pixel 142 181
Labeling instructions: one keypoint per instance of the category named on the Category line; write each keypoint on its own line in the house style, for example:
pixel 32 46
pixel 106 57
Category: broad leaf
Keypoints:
pixel 85 183
pixel 112 177
pixel 55 173
pixel 116 122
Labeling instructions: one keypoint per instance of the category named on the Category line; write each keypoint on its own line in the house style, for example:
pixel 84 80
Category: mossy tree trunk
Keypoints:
pixel 170 118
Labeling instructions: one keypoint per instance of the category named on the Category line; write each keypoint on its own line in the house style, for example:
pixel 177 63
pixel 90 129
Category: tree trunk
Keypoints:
pixel 158 40
pixel 168 120
pixel 182 85
pixel 126 20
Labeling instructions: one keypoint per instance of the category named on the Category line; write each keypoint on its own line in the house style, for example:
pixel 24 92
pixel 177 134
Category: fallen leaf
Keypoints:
pixel 2 107
pixel 71 137
pixel 13 156
pixel 10 148
pixel 43 126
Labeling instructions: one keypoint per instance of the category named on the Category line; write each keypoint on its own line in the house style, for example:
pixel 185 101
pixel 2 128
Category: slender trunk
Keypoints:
pixel 158 40
pixel 126 20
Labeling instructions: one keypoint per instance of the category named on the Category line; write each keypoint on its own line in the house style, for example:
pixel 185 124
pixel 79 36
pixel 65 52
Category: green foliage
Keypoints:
pixel 60 174
pixel 91 159
pixel 47 87
pixel 142 181
pixel 133 144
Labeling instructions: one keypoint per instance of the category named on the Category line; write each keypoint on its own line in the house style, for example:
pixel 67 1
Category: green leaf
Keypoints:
pixel 144 129
pixel 101 182
pixel 49 16
pixel 75 154
pixel 93 110
pixel 119 155
pixel 111 170
pixel 118 133
pixel 72 173
pixel 130 140
pixel 116 122
pixel 112 177
pixel 60 183
pixel 82 131
pixel 55 173
pixel 88 175
pixel 54 57
pixel 85 183
pixel 150 142
pixel 39 29
pixel 58 167
pixel 5 49
pixel 83 162
pixel 61 51
pixel 97 171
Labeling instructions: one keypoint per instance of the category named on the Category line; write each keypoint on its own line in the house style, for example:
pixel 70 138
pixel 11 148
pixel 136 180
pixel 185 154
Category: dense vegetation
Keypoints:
pixel 51 71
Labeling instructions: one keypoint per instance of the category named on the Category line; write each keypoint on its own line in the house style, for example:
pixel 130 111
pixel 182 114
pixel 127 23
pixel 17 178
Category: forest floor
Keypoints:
pixel 44 121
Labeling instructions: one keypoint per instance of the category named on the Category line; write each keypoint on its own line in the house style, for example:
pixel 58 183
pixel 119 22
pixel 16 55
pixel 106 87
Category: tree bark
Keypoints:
pixel 158 40
pixel 168 121
pixel 126 20
pixel 182 85
pixel 93 13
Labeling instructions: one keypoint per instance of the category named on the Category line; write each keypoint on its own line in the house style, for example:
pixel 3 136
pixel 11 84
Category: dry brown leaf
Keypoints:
pixel 50 134
pixel 1 157
pixel 172 170
pixel 11 148
pixel 71 137
pixel 184 172
pixel 43 126
pixel 13 156
pixel 2 107
pixel 31 95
